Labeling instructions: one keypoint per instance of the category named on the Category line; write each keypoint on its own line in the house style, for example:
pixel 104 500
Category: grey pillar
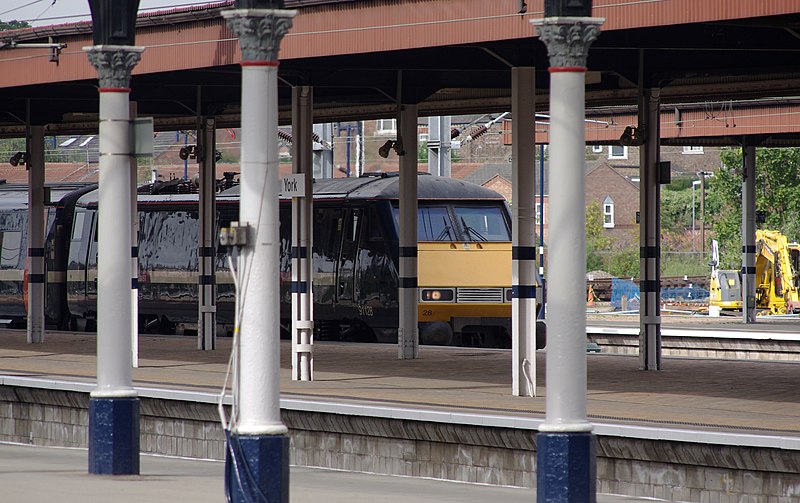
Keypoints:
pixel 439 145
pixel 650 234
pixel 207 238
pixel 565 445
pixel 114 406
pixel 258 455
pixel 302 207
pixel 748 233
pixel 323 151
pixel 408 332
pixel 523 250
pixel 36 220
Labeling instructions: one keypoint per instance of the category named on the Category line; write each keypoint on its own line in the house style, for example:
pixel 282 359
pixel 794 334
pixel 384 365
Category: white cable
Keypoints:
pixel 531 391
pixel 233 357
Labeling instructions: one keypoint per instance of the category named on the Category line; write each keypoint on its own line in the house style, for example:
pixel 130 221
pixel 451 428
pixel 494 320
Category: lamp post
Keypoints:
pixel 565 445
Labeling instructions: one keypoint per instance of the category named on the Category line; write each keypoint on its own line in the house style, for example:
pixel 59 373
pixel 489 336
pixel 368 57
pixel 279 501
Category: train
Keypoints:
pixel 464 260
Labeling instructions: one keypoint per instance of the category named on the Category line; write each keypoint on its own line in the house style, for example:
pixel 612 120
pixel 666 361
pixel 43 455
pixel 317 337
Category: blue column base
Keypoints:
pixel 114 436
pixel 257 468
pixel 566 468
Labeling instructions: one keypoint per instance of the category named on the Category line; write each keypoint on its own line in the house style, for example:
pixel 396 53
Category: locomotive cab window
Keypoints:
pixel 482 223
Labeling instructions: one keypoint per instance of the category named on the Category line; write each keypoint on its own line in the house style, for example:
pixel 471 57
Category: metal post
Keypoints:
pixel 703 213
pixel 408 332
pixel 134 253
pixel 258 454
pixel 748 233
pixel 565 456
pixel 439 145
pixel 302 304
pixel 523 250
pixel 694 219
pixel 36 219
pixel 114 406
pixel 650 235
pixel 207 250
pixel 323 153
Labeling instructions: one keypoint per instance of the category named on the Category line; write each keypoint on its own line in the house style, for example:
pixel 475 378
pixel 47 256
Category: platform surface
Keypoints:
pixel 759 398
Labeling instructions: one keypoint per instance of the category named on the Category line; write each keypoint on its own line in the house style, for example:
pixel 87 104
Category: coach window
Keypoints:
pixel 347 258
pixel 11 252
pixel 328 224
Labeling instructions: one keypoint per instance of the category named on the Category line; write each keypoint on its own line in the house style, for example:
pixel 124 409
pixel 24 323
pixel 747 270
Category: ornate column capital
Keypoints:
pixel 114 63
pixel 260 31
pixel 568 38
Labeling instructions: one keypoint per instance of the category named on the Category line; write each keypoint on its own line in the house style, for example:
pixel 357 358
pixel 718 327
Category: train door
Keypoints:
pixel 347 257
pixel 91 269
pixel 13 237
pixel 328 224
pixel 77 279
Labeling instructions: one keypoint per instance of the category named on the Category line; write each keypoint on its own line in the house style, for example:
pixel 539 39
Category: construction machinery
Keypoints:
pixel 776 279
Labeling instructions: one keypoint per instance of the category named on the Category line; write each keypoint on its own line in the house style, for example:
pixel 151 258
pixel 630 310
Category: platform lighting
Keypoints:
pixel 19 157
pixel 114 21
pixel 188 152
pixel 631 137
pixel 395 145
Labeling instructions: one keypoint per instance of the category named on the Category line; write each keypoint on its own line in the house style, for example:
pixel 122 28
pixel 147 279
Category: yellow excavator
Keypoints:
pixel 777 266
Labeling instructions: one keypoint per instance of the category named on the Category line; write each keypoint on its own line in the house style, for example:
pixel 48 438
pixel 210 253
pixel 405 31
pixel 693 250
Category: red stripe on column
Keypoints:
pixel 575 69
pixel 259 63
pixel 114 89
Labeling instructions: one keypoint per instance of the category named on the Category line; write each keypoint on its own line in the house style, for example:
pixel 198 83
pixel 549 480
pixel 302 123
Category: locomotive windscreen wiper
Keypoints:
pixel 445 231
pixel 469 231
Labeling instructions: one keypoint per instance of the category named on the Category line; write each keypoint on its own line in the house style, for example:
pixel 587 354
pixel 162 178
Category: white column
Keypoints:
pixel 748 233
pixel 36 230
pixel 260 32
pixel 567 41
pixel 408 332
pixel 523 281
pixel 134 251
pixel 206 285
pixel 114 356
pixel 302 207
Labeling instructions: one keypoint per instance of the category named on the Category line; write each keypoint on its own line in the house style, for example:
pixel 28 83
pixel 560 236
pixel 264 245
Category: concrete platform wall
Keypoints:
pixel 677 471
pixel 704 347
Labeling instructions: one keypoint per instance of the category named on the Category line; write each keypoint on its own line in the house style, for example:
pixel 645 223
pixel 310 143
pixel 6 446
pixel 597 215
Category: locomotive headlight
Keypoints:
pixel 437 295
pixel 507 294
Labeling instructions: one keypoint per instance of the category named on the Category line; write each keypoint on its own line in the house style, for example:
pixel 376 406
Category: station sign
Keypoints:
pixel 293 185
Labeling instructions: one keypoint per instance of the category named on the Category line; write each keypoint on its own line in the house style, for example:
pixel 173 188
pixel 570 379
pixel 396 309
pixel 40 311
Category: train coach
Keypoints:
pixel 464 253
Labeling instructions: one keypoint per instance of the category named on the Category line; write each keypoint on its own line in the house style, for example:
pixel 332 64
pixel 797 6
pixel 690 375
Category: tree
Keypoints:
pixel 13 25
pixel 777 197
pixel 597 244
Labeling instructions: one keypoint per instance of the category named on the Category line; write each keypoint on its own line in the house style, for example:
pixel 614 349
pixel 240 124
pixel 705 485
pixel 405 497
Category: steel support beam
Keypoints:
pixel 650 234
pixel 302 207
pixel 207 239
pixel 748 233
pixel 523 250
pixel 408 332
pixel 439 145
pixel 35 273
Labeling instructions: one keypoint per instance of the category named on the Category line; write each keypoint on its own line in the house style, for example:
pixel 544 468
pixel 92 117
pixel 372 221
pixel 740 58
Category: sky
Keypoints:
pixel 48 12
